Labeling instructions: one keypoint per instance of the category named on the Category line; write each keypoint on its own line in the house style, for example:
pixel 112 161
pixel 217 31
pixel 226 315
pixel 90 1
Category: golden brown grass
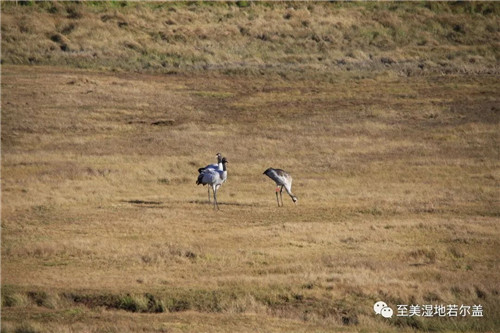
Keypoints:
pixel 102 222
pixel 395 164
pixel 412 38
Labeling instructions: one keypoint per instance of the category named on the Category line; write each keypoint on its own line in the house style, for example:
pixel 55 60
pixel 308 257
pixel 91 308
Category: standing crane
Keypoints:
pixel 217 167
pixel 213 178
pixel 282 179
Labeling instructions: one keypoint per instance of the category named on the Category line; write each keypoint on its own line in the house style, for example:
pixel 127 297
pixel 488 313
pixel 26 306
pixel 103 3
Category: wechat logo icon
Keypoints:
pixel 382 309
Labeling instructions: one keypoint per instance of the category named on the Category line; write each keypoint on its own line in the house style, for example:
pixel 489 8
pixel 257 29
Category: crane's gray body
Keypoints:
pixel 280 177
pixel 282 180
pixel 212 177
pixel 212 167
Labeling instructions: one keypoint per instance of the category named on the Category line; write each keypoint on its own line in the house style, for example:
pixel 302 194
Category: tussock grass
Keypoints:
pixel 287 39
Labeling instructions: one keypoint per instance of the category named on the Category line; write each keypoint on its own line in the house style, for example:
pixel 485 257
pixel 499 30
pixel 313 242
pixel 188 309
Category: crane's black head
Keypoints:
pixel 224 160
pixel 219 157
pixel 267 171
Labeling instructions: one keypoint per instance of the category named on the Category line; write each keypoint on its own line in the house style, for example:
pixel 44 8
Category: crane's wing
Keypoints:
pixel 208 176
pixel 209 167
pixel 279 176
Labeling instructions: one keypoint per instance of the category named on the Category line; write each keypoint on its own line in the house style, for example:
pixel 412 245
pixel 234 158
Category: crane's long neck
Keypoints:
pixel 219 162
pixel 224 171
pixel 289 191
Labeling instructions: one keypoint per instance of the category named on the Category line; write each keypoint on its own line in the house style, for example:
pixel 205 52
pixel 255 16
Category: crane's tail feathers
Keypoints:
pixel 199 180
pixel 200 170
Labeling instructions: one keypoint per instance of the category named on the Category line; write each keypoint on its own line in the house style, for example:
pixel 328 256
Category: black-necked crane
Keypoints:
pixel 215 167
pixel 282 179
pixel 214 179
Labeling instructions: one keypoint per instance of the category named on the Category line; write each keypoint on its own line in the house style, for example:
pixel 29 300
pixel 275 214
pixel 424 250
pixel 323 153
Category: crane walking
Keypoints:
pixel 282 179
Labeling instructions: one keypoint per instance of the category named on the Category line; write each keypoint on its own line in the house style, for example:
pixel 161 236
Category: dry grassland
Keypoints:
pixel 390 131
pixel 241 37
pixel 397 181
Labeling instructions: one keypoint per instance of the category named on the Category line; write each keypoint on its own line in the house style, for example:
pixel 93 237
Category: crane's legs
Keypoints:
pixel 281 195
pixel 208 194
pixel 216 205
pixel 277 199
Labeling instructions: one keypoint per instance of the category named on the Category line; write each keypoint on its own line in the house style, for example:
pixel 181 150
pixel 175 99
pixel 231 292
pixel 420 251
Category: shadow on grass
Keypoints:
pixel 145 203
pixel 237 204
pixel 170 203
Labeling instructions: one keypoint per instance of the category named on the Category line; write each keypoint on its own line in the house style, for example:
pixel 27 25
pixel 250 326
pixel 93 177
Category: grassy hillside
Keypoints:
pixel 411 38
pixel 385 114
